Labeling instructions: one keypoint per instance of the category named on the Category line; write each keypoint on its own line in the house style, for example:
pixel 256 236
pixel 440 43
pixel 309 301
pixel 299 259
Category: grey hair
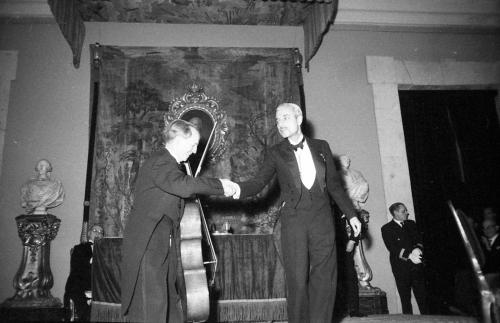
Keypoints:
pixel 296 109
pixel 179 127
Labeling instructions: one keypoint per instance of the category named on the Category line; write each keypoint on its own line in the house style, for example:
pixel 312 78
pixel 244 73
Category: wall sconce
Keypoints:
pixel 96 51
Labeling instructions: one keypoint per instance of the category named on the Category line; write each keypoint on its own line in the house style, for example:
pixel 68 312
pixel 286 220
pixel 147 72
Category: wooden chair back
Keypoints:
pixel 487 284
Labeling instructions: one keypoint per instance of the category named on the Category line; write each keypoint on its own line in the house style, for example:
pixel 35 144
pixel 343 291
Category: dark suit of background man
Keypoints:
pixel 79 281
pixel 348 276
pixel 404 243
pixel 491 231
pixel 151 240
pixel 306 176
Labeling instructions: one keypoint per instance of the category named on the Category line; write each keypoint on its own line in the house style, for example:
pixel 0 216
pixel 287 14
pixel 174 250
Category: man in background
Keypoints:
pixel 348 291
pixel 78 286
pixel 491 242
pixel 402 239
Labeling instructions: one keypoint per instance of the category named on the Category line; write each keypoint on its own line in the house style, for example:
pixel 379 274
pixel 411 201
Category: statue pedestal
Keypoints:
pixel 34 279
pixel 372 301
pixel 363 269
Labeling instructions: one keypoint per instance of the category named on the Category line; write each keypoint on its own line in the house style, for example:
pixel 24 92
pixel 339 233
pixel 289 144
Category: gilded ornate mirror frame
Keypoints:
pixel 196 104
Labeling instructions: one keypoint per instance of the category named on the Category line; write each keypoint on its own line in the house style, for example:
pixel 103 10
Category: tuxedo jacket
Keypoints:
pixel 280 161
pixel 160 190
pixel 400 242
pixel 492 258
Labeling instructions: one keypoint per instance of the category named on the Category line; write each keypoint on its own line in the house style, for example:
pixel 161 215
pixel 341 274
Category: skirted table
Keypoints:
pixel 249 282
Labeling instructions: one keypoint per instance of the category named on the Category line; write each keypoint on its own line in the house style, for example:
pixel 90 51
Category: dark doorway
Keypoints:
pixel 453 147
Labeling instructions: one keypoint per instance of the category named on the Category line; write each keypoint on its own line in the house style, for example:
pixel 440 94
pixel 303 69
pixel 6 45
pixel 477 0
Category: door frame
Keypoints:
pixel 387 75
pixel 8 66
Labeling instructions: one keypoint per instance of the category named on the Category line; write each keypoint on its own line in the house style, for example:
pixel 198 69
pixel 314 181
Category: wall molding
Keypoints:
pixel 415 14
pixel 8 66
pixel 25 9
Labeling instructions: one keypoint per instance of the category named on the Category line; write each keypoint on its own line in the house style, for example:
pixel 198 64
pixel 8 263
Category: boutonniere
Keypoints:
pixel 323 157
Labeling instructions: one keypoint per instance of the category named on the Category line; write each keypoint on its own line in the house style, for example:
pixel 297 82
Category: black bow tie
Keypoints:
pixel 299 145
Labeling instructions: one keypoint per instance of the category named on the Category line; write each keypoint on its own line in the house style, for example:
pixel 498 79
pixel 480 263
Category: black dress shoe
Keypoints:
pixel 356 314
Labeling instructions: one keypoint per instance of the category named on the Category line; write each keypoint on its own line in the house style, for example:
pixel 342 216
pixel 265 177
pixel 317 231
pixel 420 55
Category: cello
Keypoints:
pixel 193 229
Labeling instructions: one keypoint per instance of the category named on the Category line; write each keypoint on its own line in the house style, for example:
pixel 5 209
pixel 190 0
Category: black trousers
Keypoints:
pixel 155 297
pixel 347 299
pixel 309 255
pixel 410 278
pixel 351 283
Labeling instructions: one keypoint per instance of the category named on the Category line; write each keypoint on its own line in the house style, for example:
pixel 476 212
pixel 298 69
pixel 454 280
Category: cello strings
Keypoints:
pixel 205 150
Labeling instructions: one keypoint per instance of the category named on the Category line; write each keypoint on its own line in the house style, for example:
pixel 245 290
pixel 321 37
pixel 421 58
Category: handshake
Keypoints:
pixel 230 188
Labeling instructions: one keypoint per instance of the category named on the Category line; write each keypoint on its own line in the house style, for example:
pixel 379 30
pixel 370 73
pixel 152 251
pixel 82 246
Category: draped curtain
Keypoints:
pixel 453 145
pixel 70 16
pixel 136 88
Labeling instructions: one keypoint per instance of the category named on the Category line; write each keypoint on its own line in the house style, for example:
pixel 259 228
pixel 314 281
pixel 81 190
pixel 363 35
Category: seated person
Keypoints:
pixel 491 243
pixel 490 213
pixel 78 285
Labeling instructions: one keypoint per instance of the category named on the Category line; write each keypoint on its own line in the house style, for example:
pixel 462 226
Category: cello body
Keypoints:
pixel 192 226
pixel 195 276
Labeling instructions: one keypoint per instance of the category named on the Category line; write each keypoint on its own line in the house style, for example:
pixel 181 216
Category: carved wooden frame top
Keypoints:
pixel 194 100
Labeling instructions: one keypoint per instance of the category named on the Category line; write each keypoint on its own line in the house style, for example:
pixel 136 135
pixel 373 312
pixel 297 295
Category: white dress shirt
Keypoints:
pixel 306 165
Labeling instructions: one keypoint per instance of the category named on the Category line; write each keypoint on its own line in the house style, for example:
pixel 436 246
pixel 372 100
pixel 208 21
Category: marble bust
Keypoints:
pixel 41 192
pixel 355 184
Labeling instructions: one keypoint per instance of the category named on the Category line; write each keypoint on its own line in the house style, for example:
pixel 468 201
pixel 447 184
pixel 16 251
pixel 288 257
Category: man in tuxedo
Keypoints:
pixel 491 241
pixel 404 243
pixel 78 285
pixel 308 178
pixel 151 242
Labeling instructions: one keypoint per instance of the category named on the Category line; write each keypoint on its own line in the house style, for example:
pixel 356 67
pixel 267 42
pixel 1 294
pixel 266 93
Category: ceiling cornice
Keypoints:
pixel 380 14
pixel 467 14
pixel 37 9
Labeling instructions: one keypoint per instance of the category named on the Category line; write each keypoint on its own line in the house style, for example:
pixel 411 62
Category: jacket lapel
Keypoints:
pixel 286 152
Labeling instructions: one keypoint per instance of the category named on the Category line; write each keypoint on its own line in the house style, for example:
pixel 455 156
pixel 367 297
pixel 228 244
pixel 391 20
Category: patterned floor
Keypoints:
pixel 410 319
pixel 405 319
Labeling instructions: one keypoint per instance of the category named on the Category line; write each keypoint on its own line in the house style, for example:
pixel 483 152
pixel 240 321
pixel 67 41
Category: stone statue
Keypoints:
pixel 36 229
pixel 41 192
pixel 357 189
pixel 355 184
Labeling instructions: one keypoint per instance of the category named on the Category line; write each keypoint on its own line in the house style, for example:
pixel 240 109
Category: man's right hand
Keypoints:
pixel 230 188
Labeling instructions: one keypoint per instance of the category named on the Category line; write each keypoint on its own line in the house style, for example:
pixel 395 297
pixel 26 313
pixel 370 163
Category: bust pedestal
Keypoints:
pixel 33 279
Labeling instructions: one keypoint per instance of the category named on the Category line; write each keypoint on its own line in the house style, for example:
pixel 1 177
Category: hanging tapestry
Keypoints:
pixel 137 86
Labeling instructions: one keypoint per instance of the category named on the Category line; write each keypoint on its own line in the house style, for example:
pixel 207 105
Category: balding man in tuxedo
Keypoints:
pixel 151 291
pixel 308 178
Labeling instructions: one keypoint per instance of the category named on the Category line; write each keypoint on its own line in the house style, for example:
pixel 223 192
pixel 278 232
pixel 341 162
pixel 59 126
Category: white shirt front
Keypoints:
pixel 306 165
pixel 399 222
pixel 492 239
